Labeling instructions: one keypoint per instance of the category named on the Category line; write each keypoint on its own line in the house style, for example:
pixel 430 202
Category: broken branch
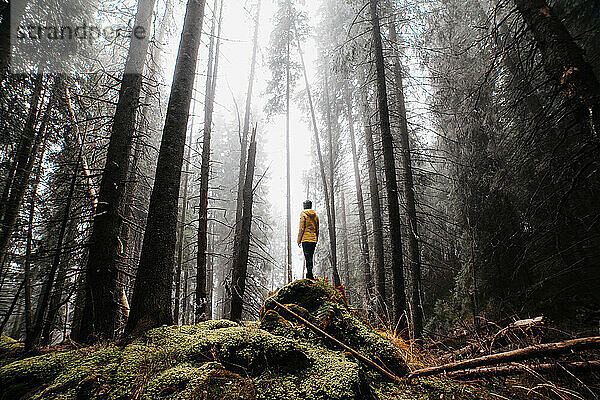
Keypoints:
pixel 541 350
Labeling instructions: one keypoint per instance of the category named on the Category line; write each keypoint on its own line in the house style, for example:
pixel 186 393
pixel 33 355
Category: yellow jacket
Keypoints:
pixel 309 227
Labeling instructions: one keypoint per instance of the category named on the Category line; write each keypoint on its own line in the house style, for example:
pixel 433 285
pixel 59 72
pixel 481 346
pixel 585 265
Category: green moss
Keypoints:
pixel 271 359
pixel 10 350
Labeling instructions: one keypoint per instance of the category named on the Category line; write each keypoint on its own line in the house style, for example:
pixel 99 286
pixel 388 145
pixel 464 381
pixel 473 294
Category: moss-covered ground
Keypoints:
pixel 274 358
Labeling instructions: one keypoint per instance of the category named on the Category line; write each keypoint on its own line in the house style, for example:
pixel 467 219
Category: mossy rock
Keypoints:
pixel 272 359
pixel 327 308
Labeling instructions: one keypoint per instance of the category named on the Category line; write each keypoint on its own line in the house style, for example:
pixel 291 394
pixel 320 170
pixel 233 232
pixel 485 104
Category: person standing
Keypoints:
pixel 308 235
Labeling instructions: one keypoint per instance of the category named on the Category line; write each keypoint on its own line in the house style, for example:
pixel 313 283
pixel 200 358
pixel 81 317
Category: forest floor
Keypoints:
pixel 277 357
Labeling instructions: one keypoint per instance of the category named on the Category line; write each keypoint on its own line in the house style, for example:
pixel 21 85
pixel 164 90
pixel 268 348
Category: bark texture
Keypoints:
pixel 101 301
pixel 151 302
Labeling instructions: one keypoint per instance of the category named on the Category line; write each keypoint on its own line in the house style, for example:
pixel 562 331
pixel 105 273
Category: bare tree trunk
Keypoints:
pixel 24 159
pixel 56 297
pixel 378 251
pixel 288 211
pixel 151 302
pixel 32 339
pixel 182 223
pixel 210 274
pixel 211 84
pixel 5 32
pixel 28 250
pixel 317 141
pixel 11 308
pixel 331 222
pixel 364 237
pixel 241 244
pixel 246 127
pixel 101 305
pixel 345 244
pixel 562 58
pixel 390 170
pixel 414 266
pixel 185 301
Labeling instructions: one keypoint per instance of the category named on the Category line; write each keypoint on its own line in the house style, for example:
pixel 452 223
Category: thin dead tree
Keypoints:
pixel 364 237
pixel 201 313
pixel 241 244
pixel 246 126
pixel 331 222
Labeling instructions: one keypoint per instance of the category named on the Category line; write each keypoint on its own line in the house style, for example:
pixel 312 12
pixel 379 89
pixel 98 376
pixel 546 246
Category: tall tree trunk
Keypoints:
pixel 345 243
pixel 56 297
pixel 562 58
pixel 101 301
pixel 185 300
pixel 11 308
pixel 32 339
pixel 28 251
pixel 210 274
pixel 241 242
pixel 364 237
pixel 211 82
pixel 151 302
pixel 288 211
pixel 129 247
pixel 317 143
pixel 5 32
pixel 414 266
pixel 376 218
pixel 24 160
pixel 331 222
pixel 246 127
pixel 390 170
pixel 182 223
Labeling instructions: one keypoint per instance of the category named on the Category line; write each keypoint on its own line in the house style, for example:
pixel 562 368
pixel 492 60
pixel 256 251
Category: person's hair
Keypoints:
pixel 307 204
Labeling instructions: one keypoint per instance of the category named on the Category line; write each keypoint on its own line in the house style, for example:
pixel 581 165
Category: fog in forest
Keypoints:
pixel 427 168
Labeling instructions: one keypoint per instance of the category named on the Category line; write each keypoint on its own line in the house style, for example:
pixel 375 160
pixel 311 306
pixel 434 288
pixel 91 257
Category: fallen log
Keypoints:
pixel 541 350
pixel 508 370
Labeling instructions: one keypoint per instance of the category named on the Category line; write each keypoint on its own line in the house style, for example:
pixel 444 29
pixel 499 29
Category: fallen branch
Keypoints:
pixel 318 330
pixel 541 350
pixel 507 370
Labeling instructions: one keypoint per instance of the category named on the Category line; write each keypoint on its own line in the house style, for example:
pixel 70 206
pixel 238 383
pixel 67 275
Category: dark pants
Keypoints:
pixel 309 249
